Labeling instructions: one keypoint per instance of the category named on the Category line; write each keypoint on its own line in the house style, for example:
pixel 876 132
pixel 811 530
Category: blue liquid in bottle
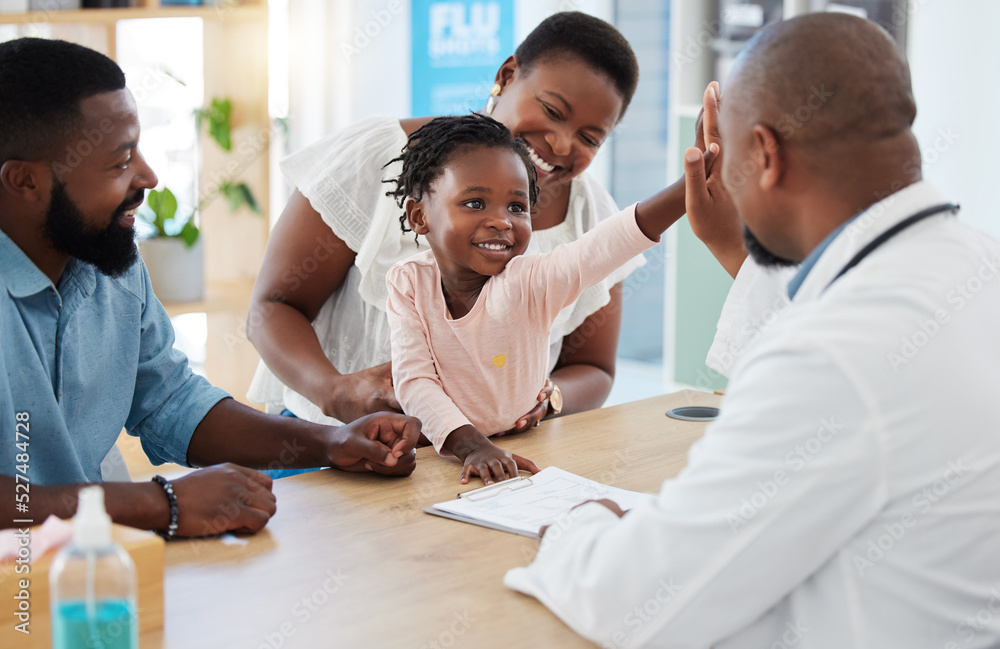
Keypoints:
pixel 92 584
pixel 111 626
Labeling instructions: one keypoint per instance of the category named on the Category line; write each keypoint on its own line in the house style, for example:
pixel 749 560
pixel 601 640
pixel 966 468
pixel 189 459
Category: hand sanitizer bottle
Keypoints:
pixel 93 584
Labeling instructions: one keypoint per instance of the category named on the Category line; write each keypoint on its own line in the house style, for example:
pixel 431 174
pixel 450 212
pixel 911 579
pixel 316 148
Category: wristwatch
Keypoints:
pixel 555 399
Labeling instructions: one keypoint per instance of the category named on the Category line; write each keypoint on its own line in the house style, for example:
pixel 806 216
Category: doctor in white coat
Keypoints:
pixel 849 494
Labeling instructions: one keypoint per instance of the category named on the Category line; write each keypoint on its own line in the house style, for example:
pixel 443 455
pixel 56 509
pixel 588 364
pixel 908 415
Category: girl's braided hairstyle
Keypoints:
pixel 429 148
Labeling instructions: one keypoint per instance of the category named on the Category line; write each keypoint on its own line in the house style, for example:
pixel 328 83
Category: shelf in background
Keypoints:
pixel 223 11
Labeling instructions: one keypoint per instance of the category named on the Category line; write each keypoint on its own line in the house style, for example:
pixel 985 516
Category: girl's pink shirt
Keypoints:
pixel 487 367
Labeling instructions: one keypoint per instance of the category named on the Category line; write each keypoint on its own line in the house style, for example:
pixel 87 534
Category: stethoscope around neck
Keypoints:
pixel 890 233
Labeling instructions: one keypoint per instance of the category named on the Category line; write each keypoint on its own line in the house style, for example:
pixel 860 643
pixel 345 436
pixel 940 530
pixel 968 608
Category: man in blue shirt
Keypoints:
pixel 88 349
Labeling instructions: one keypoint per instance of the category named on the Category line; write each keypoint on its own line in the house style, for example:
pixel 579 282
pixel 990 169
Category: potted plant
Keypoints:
pixel 217 118
pixel 173 253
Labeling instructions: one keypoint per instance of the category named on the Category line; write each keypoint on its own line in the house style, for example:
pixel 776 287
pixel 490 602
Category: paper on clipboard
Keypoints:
pixel 523 505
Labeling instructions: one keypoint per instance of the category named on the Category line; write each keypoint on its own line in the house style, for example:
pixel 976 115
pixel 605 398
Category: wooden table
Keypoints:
pixel 350 560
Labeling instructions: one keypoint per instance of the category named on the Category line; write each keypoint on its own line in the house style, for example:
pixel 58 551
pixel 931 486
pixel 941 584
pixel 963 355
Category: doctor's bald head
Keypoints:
pixel 820 103
pixel 823 79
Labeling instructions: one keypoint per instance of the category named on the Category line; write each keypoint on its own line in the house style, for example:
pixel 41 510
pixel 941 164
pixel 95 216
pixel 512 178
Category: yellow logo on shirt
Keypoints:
pixel 499 360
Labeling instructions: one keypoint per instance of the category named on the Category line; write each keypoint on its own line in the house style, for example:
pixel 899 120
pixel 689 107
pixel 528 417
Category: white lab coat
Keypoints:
pixel 757 298
pixel 849 493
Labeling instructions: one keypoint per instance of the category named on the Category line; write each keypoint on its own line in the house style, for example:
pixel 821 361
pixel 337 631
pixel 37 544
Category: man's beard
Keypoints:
pixel 111 250
pixel 764 257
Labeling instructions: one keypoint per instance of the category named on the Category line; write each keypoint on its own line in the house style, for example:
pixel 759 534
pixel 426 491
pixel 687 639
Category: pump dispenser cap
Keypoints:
pixel 91 525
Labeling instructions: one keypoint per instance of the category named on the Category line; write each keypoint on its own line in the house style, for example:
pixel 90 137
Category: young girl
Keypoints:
pixel 469 319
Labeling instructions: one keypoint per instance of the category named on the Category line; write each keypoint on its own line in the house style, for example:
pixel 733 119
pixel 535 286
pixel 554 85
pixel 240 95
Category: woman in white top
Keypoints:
pixel 317 313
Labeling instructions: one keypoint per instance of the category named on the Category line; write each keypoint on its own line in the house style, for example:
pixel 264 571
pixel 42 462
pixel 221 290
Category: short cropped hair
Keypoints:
pixel 42 83
pixel 589 39
pixel 429 148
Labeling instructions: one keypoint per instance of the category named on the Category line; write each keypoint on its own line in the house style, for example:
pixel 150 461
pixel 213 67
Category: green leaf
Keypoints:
pixel 163 203
pixel 174 77
pixel 238 195
pixel 189 233
pixel 218 115
pixel 248 198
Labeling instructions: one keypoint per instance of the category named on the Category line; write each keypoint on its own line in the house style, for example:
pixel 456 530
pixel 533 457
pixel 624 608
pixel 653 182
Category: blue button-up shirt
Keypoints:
pixel 83 360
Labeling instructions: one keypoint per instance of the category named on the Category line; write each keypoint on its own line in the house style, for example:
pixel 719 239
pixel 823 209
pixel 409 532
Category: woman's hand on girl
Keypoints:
pixel 362 393
pixel 535 415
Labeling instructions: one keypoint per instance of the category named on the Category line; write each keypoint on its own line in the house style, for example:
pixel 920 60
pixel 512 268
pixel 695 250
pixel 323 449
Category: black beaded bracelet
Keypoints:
pixel 172 500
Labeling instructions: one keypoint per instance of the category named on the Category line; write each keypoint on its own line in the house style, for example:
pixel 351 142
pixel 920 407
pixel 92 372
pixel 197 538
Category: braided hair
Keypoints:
pixel 429 148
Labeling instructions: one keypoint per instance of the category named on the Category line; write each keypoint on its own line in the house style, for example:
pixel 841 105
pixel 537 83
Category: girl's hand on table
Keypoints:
pixel 494 464
pixel 481 457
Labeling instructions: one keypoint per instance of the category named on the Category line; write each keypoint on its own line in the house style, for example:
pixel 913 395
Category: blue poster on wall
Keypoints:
pixel 457 47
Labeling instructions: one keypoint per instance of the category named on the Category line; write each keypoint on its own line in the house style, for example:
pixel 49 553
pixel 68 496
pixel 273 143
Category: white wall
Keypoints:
pixel 954 58
pixel 373 48
pixel 372 55
pixel 320 78
pixel 382 69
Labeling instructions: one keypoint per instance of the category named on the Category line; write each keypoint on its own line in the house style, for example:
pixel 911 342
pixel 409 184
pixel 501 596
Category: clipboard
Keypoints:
pixel 524 504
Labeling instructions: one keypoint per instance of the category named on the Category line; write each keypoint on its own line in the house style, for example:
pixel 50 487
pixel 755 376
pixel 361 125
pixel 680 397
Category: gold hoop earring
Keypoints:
pixel 491 102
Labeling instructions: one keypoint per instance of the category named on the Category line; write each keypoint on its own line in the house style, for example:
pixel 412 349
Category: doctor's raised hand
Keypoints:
pixel 710 209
